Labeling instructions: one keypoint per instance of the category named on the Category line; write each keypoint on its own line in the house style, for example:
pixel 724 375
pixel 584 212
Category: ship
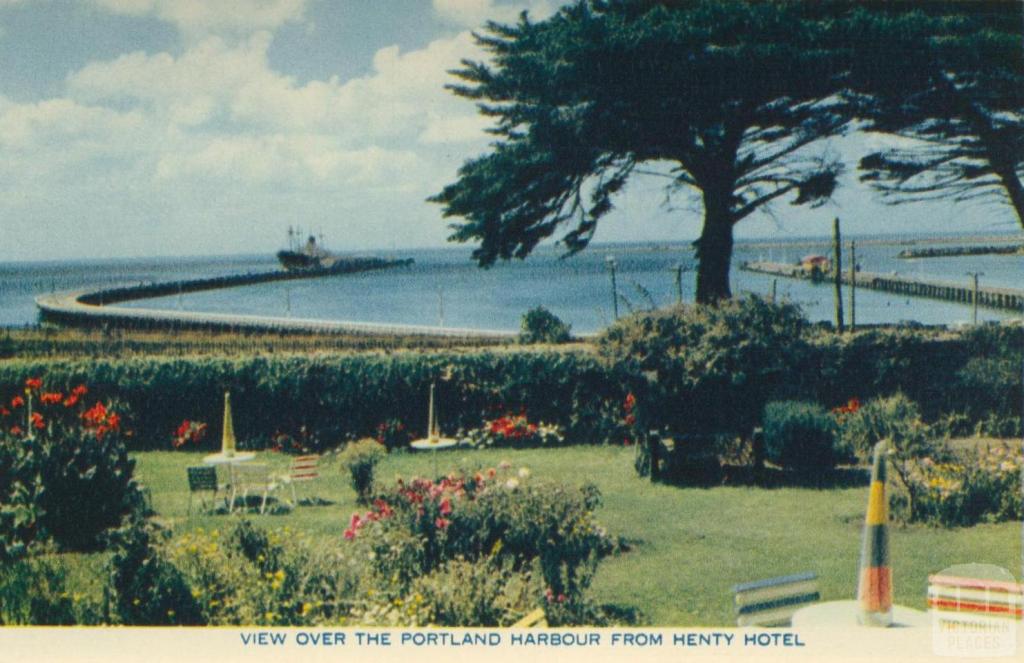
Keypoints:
pixel 308 257
pixel 312 259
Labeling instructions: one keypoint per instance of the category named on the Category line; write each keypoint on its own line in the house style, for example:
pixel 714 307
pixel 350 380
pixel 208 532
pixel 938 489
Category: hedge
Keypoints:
pixel 335 397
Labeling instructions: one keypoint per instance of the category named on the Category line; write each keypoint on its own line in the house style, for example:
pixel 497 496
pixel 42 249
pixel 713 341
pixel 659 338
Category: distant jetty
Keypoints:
pixel 1005 299
pixel 953 251
pixel 96 308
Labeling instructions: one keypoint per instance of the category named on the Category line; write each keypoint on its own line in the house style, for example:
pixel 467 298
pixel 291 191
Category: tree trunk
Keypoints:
pixel 714 249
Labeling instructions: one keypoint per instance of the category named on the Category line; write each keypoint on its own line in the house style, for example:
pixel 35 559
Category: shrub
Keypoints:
pixel 67 471
pixel 360 459
pixel 978 485
pixel 895 418
pixel 147 589
pixel 800 436
pixel 393 434
pixel 540 325
pixel 34 592
pixel 490 516
pixel 714 367
pixel 254 576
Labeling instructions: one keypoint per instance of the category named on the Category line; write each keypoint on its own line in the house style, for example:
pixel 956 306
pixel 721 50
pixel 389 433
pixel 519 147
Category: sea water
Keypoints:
pixel 445 287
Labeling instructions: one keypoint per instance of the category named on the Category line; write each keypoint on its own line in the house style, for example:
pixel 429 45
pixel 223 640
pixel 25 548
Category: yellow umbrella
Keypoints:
pixel 228 441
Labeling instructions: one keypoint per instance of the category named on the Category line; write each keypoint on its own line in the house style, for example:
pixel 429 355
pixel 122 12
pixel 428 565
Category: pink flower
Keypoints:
pixel 442 523
pixel 350 534
pixel 446 506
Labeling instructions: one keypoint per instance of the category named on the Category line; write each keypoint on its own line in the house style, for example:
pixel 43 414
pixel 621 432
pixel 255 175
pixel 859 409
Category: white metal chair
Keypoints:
pixel 251 479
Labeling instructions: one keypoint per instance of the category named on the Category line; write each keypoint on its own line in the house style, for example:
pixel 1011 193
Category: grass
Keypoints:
pixel 688 545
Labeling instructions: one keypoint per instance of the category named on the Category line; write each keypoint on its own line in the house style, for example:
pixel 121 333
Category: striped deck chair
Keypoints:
pixel 773 601
pixel 304 468
pixel 957 598
pixel 533 619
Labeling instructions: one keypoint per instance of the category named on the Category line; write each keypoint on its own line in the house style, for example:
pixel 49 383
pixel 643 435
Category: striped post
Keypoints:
pixel 875 590
pixel 228 442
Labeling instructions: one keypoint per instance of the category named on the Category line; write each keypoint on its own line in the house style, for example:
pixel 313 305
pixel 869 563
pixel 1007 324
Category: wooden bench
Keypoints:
pixel 773 601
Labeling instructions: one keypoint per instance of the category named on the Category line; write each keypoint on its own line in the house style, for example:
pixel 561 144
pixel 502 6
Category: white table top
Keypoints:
pixel 844 614
pixel 221 458
pixel 428 444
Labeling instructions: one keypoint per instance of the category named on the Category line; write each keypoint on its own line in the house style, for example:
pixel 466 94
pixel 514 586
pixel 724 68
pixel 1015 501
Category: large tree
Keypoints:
pixel 729 93
pixel 947 80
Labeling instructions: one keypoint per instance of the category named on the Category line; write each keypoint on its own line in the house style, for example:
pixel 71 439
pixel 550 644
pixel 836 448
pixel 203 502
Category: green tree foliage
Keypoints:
pixel 730 94
pixel 540 325
pixel 946 79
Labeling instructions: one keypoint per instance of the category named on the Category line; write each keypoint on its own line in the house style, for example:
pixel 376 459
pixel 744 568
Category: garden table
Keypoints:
pixel 843 614
pixel 433 444
pixel 221 458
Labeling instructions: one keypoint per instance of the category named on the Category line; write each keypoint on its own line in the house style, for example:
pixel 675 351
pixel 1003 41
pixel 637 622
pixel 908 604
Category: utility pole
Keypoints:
pixel 615 290
pixel 679 283
pixel 974 295
pixel 838 270
pixel 440 307
pixel 775 290
pixel 853 285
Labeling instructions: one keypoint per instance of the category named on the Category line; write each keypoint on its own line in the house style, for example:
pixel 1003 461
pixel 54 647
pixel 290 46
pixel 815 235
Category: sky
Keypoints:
pixel 133 128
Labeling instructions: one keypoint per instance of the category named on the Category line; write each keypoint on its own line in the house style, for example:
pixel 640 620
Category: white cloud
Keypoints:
pixel 475 13
pixel 197 17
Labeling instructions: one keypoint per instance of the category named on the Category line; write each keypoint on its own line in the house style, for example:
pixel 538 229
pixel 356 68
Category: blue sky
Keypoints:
pixel 178 127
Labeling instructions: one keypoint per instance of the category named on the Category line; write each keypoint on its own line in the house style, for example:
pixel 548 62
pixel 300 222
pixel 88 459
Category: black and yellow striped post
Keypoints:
pixel 875 590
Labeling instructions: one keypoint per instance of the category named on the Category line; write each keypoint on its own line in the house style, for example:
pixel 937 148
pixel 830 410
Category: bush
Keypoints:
pixel 714 367
pixel 895 418
pixel 360 459
pixel 252 576
pixel 34 592
pixel 147 589
pixel 492 516
pixel 800 436
pixel 67 474
pixel 979 485
pixel 540 325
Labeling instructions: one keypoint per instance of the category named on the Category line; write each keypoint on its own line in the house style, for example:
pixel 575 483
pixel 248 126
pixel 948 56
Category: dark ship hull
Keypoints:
pixel 296 261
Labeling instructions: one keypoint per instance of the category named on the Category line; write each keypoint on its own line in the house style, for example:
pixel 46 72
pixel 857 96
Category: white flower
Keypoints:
pixel 512 483
pixel 504 465
pixel 524 472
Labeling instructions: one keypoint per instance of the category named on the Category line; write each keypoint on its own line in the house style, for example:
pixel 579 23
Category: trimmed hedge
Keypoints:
pixel 325 399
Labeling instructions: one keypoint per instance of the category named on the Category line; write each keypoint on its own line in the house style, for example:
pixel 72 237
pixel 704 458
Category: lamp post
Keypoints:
pixel 615 290
pixel 974 295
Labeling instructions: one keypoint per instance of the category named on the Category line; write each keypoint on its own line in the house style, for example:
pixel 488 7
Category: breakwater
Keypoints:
pixel 954 251
pixel 1004 299
pixel 93 308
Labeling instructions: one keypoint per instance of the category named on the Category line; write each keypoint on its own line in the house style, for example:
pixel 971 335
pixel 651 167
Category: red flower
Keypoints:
pixel 51 397
pixel 96 415
pixel 114 421
pixel 442 523
pixel 33 383
pixel 350 534
pixel 630 420
pixel 16 430
pixel 79 391
pixel 71 400
pixel 446 506
pixel 630 402
pixel 17 402
pixel 4 411
pixel 37 421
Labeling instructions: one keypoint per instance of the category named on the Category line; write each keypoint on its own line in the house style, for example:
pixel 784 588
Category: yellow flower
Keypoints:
pixel 269 616
pixel 196 593
pixel 306 607
pixel 279 575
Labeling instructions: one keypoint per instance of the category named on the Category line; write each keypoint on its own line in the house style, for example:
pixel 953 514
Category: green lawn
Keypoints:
pixel 689 545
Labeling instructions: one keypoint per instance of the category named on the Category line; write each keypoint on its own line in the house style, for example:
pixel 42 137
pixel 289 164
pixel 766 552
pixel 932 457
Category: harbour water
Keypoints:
pixel 446 288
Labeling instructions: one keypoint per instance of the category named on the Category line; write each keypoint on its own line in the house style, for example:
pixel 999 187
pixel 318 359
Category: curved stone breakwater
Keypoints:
pixel 91 308
pixel 955 251
pixel 1004 299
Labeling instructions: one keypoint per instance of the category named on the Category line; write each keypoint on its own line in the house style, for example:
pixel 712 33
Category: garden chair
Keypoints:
pixel 533 619
pixel 201 479
pixel 303 469
pixel 251 479
pixel 773 601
